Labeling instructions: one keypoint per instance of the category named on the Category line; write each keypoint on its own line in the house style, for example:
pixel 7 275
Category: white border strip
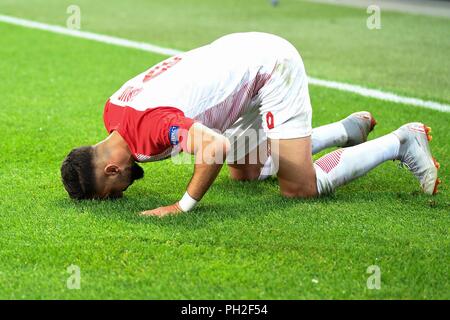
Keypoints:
pixel 366 92
pixel 380 95
pixel 89 35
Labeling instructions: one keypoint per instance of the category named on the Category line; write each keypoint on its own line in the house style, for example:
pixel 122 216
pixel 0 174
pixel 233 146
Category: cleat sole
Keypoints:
pixel 436 184
pixel 373 123
pixel 435 162
pixel 428 132
pixel 438 181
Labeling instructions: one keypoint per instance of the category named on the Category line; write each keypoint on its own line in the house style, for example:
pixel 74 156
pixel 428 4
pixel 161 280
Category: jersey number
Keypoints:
pixel 161 67
pixel 269 120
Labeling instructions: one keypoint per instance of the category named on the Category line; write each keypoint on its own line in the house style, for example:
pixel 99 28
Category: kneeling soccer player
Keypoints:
pixel 243 97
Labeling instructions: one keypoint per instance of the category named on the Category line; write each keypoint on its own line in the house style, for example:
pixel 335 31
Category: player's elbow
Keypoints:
pixel 216 150
pixel 221 146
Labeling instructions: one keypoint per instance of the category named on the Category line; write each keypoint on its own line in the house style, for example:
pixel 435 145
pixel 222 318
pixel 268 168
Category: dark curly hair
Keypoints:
pixel 77 173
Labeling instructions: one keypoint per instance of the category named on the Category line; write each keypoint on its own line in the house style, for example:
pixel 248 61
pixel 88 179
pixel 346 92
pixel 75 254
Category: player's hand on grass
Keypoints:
pixel 163 211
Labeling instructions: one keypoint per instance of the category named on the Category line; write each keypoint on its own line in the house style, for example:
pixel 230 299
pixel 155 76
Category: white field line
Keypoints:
pixel 89 35
pixel 366 92
pixel 381 95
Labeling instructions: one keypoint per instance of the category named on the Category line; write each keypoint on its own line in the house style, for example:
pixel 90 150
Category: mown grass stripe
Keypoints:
pixel 357 89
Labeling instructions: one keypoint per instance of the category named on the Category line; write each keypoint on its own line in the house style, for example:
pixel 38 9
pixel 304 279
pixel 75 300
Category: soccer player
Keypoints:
pixel 243 100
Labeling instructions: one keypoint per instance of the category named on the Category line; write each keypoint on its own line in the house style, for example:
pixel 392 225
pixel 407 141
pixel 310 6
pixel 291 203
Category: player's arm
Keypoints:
pixel 210 149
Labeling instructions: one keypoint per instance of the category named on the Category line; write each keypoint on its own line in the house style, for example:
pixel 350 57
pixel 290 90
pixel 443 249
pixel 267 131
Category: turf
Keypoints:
pixel 243 241
pixel 409 55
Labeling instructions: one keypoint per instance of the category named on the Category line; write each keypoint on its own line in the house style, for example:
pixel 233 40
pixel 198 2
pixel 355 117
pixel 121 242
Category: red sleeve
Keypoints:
pixel 149 132
pixel 172 128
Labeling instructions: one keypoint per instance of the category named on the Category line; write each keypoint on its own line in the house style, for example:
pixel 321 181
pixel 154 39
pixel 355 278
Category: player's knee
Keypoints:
pixel 223 145
pixel 299 192
pixel 244 176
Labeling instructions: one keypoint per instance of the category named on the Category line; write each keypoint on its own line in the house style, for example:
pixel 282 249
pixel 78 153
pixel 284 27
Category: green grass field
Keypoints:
pixel 244 241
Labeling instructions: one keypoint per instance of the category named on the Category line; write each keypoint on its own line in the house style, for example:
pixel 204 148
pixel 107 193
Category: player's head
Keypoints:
pixel 94 172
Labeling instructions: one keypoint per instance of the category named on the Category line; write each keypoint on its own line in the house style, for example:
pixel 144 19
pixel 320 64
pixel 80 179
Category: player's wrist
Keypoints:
pixel 186 203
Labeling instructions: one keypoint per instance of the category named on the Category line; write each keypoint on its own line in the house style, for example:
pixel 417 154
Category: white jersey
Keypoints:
pixel 238 84
pixel 214 84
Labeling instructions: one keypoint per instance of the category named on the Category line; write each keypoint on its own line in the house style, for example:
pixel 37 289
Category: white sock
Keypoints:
pixel 344 165
pixel 330 135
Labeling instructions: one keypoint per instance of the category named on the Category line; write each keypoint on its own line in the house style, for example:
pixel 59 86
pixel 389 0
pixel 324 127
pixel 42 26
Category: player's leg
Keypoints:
pixel 409 144
pixel 286 118
pixel 248 170
pixel 249 149
pixel 350 131
pixel 347 132
pixel 296 173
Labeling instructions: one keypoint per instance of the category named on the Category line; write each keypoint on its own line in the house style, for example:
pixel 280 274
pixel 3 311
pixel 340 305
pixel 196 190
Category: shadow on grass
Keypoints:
pixel 231 200
pixel 226 200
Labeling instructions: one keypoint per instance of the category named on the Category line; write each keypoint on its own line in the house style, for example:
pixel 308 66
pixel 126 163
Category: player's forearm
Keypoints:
pixel 209 159
pixel 210 150
pixel 204 176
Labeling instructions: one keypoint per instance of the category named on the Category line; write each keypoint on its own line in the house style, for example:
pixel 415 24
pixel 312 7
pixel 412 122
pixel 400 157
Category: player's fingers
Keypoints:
pixel 154 212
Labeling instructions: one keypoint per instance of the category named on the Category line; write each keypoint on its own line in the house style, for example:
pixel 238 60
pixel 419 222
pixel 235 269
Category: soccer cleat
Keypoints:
pixel 358 126
pixel 415 154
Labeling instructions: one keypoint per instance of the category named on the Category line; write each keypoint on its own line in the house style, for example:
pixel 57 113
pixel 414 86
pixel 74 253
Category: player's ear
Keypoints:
pixel 111 170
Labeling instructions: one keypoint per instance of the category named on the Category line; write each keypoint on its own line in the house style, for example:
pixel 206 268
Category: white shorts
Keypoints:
pixel 283 107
